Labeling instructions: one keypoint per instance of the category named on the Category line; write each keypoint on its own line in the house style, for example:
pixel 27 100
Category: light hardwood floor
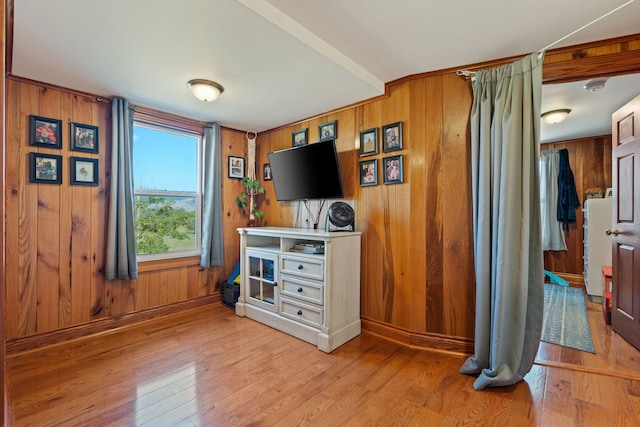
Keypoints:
pixel 208 367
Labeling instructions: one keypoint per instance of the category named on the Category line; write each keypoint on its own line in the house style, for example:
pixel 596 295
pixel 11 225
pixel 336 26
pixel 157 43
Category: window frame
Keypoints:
pixel 190 129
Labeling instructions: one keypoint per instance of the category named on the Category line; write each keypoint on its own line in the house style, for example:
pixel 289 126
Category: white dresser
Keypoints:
pixel 312 296
pixel 597 245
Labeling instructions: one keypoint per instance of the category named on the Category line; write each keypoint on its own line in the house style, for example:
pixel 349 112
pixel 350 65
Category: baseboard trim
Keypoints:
pixel 421 340
pixel 32 342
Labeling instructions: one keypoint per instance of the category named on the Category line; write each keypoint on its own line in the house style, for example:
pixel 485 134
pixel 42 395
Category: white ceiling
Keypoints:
pixel 281 61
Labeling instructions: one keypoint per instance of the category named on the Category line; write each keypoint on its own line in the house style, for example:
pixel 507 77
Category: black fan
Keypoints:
pixel 340 214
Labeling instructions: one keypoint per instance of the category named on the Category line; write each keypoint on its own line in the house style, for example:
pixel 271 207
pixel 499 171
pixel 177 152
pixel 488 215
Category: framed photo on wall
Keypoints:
pixel 266 172
pixel 392 170
pixel 369 173
pixel 45 132
pixel 45 168
pixel 84 138
pixel 369 142
pixel 299 137
pixel 236 167
pixel 392 137
pixel 328 130
pixel 84 171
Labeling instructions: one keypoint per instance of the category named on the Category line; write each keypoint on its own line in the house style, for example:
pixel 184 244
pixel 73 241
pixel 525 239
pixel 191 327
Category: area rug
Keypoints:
pixel 565 320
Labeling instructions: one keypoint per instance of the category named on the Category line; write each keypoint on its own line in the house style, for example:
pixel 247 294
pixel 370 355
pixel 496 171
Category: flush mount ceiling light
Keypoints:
pixel 205 90
pixel 555 116
pixel 595 85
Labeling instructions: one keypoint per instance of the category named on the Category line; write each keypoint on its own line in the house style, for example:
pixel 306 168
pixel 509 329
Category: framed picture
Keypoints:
pixel 84 171
pixel 328 130
pixel 392 170
pixel 392 137
pixel 45 168
pixel 84 138
pixel 236 167
pixel 369 172
pixel 299 137
pixel 266 172
pixel 369 142
pixel 45 132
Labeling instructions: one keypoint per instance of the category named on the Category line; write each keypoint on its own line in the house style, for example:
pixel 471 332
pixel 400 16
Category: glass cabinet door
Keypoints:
pixel 262 283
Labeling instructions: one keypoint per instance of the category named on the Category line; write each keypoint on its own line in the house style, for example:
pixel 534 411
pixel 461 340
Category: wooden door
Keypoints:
pixel 625 315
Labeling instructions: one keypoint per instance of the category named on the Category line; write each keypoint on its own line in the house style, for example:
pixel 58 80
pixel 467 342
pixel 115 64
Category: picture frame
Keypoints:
pixel 369 173
pixel 392 137
pixel 84 138
pixel 369 142
pixel 236 167
pixel 84 171
pixel 299 137
pixel 45 168
pixel 45 132
pixel 328 130
pixel 392 170
pixel 266 172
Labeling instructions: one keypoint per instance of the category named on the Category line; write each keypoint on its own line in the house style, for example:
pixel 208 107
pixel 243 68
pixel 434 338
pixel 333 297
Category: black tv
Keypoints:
pixel 306 172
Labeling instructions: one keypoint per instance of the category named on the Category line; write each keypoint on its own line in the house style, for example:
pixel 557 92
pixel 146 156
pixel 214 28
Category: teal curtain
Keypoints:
pixel 505 135
pixel 121 262
pixel 212 242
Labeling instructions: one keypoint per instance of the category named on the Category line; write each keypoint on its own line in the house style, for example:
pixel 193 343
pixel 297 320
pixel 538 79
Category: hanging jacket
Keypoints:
pixel 567 196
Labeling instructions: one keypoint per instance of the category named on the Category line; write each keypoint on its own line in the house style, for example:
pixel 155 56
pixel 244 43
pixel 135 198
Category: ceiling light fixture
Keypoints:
pixel 555 116
pixel 205 90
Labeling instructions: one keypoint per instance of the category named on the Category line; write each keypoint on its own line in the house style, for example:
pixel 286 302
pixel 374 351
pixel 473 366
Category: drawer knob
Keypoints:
pixel 299 289
pixel 300 267
pixel 299 312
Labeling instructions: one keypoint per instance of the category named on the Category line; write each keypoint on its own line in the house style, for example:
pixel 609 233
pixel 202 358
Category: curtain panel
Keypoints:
pixel 212 242
pixel 121 261
pixel 505 134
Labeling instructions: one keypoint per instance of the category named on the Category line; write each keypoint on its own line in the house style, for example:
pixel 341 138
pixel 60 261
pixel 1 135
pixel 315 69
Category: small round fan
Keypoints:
pixel 340 214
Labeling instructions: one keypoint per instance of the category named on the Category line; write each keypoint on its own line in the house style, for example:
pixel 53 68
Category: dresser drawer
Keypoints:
pixel 311 268
pixel 304 313
pixel 302 289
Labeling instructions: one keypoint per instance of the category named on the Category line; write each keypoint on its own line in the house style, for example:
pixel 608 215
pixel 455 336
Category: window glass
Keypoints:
pixel 167 191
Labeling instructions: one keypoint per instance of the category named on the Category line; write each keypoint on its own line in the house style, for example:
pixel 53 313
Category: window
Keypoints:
pixel 167 191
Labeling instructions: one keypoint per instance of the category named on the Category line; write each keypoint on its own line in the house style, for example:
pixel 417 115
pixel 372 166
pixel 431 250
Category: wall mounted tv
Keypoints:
pixel 306 172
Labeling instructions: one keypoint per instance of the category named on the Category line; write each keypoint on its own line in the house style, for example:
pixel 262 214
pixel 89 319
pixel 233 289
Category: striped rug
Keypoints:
pixel 564 320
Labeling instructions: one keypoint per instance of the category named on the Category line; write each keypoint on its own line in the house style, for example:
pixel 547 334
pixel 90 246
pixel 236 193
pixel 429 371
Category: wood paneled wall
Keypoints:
pixel 590 161
pixel 417 252
pixel 55 240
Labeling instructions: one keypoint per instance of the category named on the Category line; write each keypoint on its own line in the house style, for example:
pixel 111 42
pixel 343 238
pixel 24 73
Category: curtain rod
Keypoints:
pixel 468 73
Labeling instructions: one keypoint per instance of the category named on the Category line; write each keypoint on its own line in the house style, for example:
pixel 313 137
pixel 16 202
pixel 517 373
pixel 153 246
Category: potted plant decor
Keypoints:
pixel 251 189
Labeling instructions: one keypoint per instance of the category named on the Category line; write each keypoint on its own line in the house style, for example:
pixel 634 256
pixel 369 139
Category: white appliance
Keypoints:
pixel 597 245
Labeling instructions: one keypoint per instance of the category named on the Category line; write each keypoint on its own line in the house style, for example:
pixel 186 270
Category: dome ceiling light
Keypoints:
pixel 555 116
pixel 205 90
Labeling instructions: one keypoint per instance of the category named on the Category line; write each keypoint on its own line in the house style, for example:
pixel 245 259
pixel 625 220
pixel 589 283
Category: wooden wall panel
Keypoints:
pixel 56 234
pixel 590 161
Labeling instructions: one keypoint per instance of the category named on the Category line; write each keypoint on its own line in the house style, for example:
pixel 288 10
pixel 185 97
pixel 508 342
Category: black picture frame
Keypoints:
pixel 369 142
pixel 84 138
pixel 266 172
pixel 368 173
pixel 45 132
pixel 236 167
pixel 45 168
pixel 392 137
pixel 328 130
pixel 299 137
pixel 84 171
pixel 392 170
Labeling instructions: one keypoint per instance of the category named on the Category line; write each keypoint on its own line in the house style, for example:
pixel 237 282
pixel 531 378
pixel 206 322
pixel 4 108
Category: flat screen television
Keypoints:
pixel 306 172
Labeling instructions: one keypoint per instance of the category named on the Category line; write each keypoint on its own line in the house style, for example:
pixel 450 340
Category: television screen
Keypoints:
pixel 306 172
